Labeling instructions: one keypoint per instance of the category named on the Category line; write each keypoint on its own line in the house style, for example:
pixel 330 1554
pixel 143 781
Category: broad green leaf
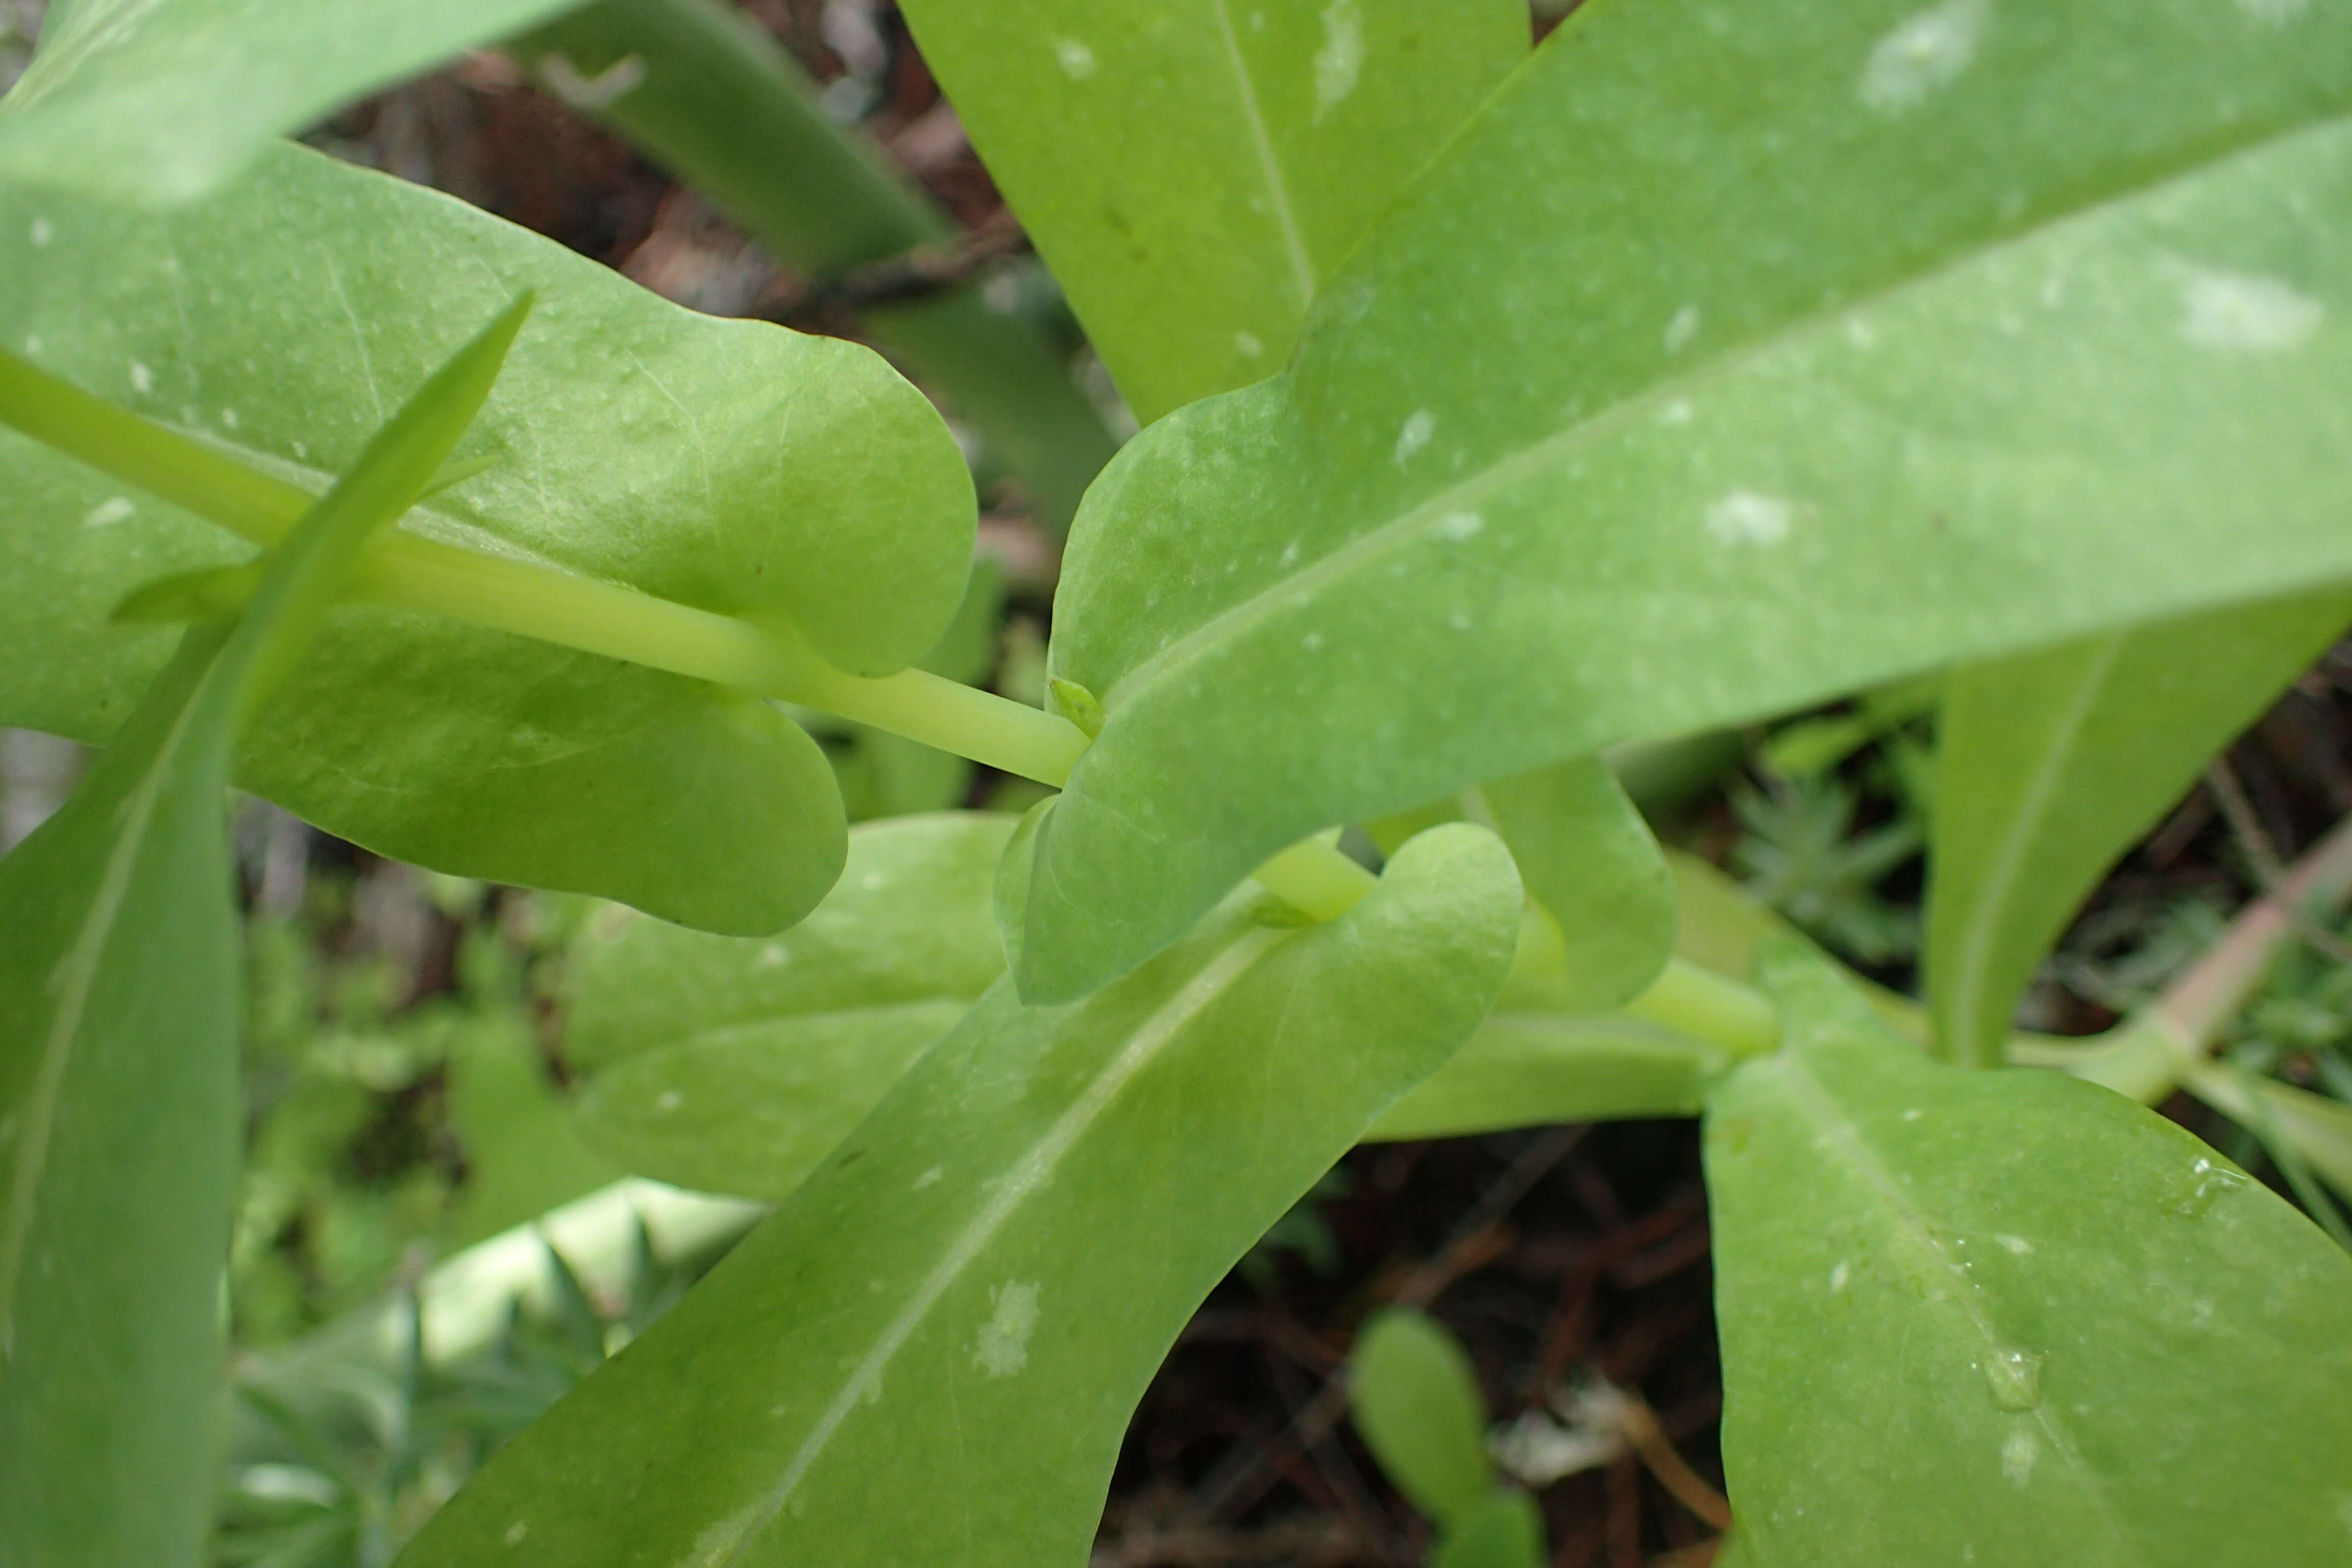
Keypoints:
pixel 1536 1068
pixel 1731 358
pixel 730 465
pixel 2007 1316
pixel 910 1362
pixel 1415 1401
pixel 1590 865
pixel 120 1013
pixel 2052 764
pixel 909 922
pixel 163 101
pixel 751 1110
pixel 1506 1531
pixel 734 1066
pixel 1194 170
pixel 704 89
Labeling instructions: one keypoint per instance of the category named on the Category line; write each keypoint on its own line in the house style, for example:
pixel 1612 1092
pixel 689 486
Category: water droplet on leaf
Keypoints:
pixel 2013 1377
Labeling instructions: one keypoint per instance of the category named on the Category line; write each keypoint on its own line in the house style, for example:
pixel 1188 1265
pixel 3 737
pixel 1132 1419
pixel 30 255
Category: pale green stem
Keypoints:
pixel 407 571
pixel 1697 1002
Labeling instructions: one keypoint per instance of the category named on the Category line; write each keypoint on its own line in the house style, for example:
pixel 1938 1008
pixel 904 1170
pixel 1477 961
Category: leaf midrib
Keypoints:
pixel 1239 617
pixel 1814 1101
pixel 726 1543
pixel 1302 270
pixel 1987 920
pixel 78 971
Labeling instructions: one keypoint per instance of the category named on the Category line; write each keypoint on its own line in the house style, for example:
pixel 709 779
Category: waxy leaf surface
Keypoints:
pixel 160 100
pixel 909 1362
pixel 736 1066
pixel 1729 359
pixel 120 1015
pixel 2053 1324
pixel 1194 170
pixel 2051 765
pixel 729 465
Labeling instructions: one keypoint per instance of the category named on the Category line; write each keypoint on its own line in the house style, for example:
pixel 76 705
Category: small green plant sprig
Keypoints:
pixel 1699 366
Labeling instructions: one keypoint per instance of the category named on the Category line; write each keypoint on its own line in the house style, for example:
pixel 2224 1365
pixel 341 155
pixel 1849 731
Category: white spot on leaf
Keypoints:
pixel 1002 1348
pixel 1077 61
pixel 2017 1244
pixel 1677 412
pixel 515 1532
pixel 42 232
pixel 1417 430
pixel 668 1099
pixel 228 418
pixel 1682 329
pixel 1340 60
pixel 1926 53
pixel 773 954
pixel 2018 1453
pixel 2277 13
pixel 1744 517
pixel 107 512
pixel 1838 1278
pixel 1458 525
pixel 2241 311
pixel 141 378
pixel 930 1178
pixel 1247 345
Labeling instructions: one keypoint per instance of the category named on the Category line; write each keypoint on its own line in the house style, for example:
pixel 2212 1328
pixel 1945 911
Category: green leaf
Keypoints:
pixel 163 100
pixel 751 1110
pixel 735 1066
pixel 1534 1069
pixel 1506 1531
pixel 918 1366
pixel 121 1011
pixel 1731 358
pixel 729 465
pixel 2007 1317
pixel 1591 866
pixel 523 1157
pixel 2052 764
pixel 1194 170
pixel 1415 1401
